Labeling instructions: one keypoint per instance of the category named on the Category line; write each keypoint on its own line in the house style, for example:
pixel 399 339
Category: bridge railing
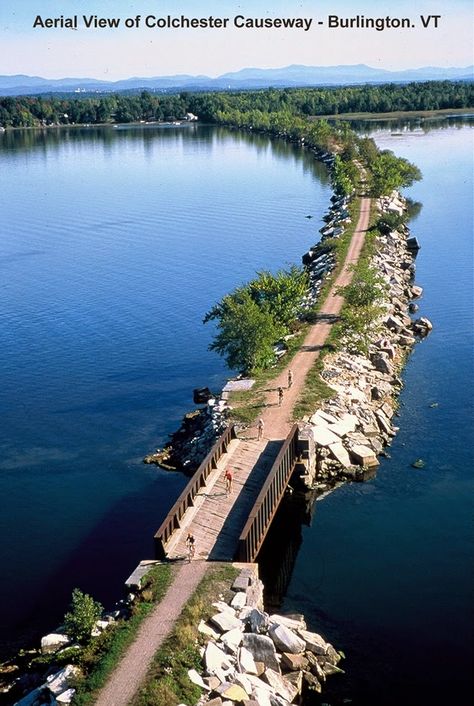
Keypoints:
pixel 186 499
pixel 268 500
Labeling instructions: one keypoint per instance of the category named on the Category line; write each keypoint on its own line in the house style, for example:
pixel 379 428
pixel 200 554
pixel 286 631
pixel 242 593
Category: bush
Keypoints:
pixel 79 621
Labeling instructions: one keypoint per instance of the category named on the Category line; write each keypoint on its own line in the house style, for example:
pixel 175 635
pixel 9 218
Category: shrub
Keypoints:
pixel 80 620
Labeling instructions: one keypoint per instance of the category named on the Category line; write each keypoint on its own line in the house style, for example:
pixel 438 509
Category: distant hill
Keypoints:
pixel 288 76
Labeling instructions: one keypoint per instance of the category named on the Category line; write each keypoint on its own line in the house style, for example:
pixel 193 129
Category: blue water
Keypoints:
pixel 114 245
pixel 386 571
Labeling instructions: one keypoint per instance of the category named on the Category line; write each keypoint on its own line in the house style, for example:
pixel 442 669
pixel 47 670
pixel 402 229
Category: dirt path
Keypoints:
pixel 131 671
pixel 277 419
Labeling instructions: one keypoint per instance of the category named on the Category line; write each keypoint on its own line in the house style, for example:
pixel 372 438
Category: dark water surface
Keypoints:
pixel 114 244
pixel 385 571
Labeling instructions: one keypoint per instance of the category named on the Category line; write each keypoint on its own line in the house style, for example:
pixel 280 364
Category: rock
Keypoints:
pixel 384 423
pixel 280 686
pixel 225 621
pixel 296 678
pixel 233 638
pixel 330 669
pixel 66 696
pixel 246 662
pixel 239 600
pixel 422 326
pixel 243 681
pixel 215 658
pixel 294 622
pixel 232 692
pixel 258 621
pixel 294 662
pixel 212 682
pixel 54 642
pixel 416 291
pixel 381 363
pixel 419 463
pixel 262 649
pixel 340 454
pixel 364 456
pixel 241 583
pixel 332 655
pixel 207 630
pixel 323 417
pixel 313 642
pixel 286 640
pixel 261 696
pixel 315 666
pixel 254 595
pixel 60 681
pixel 324 437
pixel 197 679
pixel 214 702
pixel 312 681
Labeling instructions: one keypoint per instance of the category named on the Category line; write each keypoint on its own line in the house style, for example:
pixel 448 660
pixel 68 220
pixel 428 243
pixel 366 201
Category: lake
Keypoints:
pixel 115 244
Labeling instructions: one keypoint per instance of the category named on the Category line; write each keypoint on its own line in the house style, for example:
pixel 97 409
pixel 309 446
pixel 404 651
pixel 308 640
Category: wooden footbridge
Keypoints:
pixel 228 526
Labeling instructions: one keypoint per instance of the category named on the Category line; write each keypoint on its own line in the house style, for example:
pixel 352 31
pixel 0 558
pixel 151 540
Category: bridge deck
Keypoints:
pixel 217 519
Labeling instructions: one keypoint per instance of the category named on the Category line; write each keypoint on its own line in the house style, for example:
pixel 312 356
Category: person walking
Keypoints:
pixel 290 378
pixel 280 396
pixel 260 428
pixel 191 546
pixel 228 481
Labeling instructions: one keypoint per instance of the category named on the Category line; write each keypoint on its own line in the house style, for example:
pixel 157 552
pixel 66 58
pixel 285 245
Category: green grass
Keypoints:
pixel 103 654
pixel 315 389
pixel 167 683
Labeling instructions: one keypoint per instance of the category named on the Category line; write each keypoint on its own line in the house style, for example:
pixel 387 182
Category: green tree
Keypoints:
pixel 389 172
pixel 246 333
pixel 80 619
pixel 282 292
pixel 363 305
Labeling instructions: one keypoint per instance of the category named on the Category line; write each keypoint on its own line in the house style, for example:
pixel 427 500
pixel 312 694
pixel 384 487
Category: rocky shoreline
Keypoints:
pixel 352 428
pixel 259 659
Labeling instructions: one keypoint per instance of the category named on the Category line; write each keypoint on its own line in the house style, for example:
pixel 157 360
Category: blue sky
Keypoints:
pixel 120 53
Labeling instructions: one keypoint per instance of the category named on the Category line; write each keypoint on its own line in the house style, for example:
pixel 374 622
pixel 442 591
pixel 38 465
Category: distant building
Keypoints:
pixel 190 117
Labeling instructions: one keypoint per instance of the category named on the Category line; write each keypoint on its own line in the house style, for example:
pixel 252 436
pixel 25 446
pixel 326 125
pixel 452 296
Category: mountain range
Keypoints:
pixel 288 76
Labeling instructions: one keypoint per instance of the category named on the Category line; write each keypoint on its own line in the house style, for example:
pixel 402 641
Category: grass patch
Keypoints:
pixel 100 658
pixel 167 683
pixel 315 389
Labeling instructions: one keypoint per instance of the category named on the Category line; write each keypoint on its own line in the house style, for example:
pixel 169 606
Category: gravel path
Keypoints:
pixel 131 671
pixel 277 419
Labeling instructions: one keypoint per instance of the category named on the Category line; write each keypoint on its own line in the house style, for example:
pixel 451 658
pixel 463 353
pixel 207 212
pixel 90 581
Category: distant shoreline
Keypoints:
pixel 424 114
pixel 427 114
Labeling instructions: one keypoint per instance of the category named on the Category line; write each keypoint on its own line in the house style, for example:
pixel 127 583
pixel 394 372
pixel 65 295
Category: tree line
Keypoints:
pixel 31 111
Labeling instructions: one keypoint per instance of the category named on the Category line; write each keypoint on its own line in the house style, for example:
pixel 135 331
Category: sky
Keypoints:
pixel 113 54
